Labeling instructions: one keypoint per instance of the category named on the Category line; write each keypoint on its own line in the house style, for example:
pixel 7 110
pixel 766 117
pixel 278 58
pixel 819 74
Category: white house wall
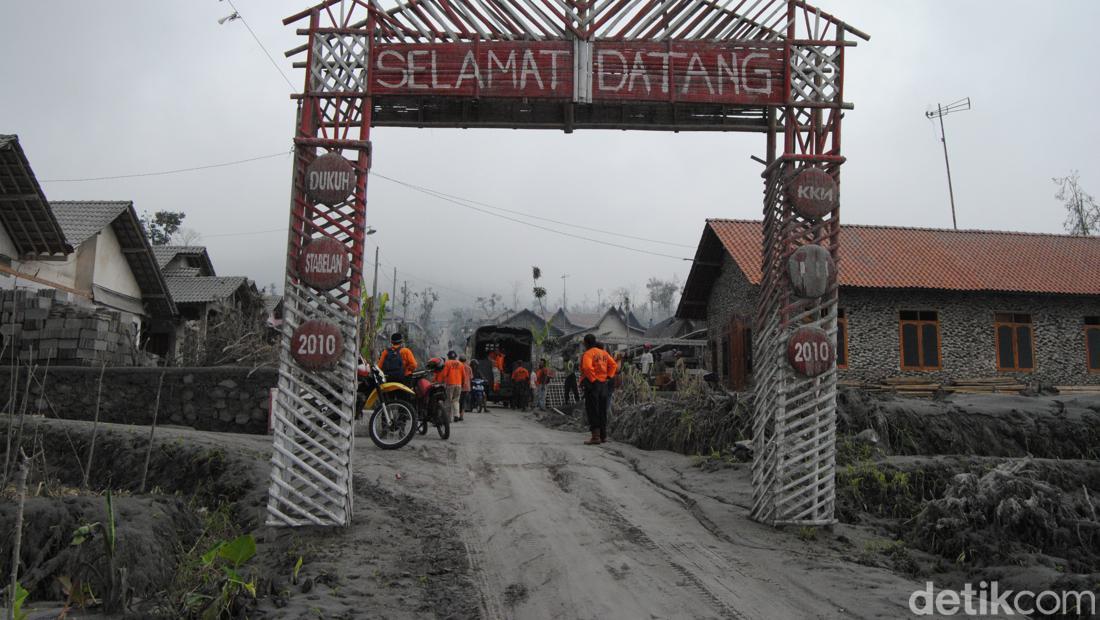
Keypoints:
pixel 112 271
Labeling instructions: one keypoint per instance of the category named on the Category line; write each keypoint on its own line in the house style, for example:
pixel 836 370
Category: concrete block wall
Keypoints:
pixel 47 324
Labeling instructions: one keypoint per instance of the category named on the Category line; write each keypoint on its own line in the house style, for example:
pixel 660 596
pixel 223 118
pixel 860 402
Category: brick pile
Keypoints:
pixel 51 325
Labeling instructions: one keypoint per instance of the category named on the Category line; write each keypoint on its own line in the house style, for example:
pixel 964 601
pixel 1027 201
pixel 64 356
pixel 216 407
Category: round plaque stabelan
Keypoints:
pixel 810 352
pixel 330 179
pixel 813 193
pixel 317 345
pixel 324 263
pixel 812 270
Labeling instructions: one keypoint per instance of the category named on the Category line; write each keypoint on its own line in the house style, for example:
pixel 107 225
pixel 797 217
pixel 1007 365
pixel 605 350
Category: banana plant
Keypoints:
pixel 372 316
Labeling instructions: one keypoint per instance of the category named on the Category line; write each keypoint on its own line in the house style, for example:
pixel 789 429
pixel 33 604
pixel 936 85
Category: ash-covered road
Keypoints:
pixel 557 529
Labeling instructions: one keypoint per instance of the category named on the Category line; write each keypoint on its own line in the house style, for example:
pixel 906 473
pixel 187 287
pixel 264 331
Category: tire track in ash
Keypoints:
pixel 617 523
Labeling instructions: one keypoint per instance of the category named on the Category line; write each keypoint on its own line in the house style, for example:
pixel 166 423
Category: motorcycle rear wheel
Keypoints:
pixel 398 431
pixel 442 424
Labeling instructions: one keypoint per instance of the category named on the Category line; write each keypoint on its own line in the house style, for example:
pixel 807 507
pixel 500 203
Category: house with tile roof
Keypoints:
pixel 939 304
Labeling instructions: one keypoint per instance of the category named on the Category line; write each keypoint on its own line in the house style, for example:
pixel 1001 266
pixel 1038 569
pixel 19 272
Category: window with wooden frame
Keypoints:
pixel 841 338
pixel 919 337
pixel 1015 342
pixel 1092 343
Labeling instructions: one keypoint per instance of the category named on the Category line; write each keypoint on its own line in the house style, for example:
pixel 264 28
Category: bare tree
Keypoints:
pixel 1082 212
pixel 489 304
pixel 187 236
pixel 662 293
pixel 516 285
pixel 427 298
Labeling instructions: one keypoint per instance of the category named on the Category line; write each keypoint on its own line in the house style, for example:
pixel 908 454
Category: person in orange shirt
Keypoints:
pixel 451 376
pixel 596 367
pixel 521 386
pixel 397 362
pixel 496 360
pixel 467 381
pixel 543 376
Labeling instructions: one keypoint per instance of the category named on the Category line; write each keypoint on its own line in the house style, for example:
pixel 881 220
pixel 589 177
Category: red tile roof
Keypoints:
pixel 963 260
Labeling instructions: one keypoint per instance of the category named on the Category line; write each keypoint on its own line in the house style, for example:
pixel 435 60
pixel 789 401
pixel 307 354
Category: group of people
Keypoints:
pixel 455 373
pixel 598 370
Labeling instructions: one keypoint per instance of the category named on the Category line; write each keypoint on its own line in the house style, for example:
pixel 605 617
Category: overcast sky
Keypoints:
pixel 117 87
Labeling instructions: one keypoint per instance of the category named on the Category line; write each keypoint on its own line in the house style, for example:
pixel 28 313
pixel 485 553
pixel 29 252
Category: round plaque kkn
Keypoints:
pixel 317 345
pixel 324 263
pixel 330 179
pixel 810 352
pixel 813 193
pixel 812 270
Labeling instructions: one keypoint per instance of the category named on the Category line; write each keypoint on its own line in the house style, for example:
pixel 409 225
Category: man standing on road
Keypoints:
pixel 542 381
pixel 521 386
pixel 451 377
pixel 467 380
pixel 571 393
pixel 596 366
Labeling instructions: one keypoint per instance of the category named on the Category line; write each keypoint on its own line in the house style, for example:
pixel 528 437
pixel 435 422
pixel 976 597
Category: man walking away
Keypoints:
pixel 397 362
pixel 451 376
pixel 543 377
pixel 467 379
pixel 521 385
pixel 596 366
pixel 571 393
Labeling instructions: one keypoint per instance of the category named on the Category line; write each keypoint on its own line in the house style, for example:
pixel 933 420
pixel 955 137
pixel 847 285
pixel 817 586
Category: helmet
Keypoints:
pixel 452 355
pixel 397 338
pixel 435 364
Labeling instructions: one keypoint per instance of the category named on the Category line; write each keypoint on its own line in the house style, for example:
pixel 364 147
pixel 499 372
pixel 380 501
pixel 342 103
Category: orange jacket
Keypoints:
pixel 597 365
pixel 467 377
pixel 407 358
pixel 521 375
pixel 543 376
pixel 497 359
pixel 451 374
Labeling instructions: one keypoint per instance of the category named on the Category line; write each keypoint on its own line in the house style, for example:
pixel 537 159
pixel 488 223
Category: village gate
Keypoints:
pixel 770 66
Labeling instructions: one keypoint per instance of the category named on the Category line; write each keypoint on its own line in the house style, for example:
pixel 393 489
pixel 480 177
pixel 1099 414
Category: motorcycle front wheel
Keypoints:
pixel 397 430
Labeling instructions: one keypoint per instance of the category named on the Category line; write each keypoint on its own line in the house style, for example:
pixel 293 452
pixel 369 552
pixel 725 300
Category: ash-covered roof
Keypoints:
pixel 165 254
pixel 204 289
pixel 24 211
pixel 82 219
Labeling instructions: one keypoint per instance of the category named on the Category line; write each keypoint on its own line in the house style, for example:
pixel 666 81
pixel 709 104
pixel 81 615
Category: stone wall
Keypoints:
pixel 226 398
pixel 967 341
pixel 968 347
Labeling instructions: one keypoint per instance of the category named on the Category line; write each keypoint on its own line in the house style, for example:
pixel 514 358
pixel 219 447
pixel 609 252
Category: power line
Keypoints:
pixel 432 193
pixel 257 40
pixel 438 193
pixel 164 172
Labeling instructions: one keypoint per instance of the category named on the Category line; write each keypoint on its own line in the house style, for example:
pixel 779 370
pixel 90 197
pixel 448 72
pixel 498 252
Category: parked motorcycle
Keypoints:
pixel 431 403
pixel 393 420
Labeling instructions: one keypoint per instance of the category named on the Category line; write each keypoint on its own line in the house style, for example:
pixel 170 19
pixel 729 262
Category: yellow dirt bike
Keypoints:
pixel 393 418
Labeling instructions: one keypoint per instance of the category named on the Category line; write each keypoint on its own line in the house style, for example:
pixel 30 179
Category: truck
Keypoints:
pixel 517 344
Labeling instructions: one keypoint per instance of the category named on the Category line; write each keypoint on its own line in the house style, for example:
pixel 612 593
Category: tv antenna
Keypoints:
pixel 941 111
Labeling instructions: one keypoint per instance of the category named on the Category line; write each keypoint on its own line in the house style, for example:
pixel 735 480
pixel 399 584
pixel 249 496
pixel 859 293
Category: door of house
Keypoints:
pixel 738 369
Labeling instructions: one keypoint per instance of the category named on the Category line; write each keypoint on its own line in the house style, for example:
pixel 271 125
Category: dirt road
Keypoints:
pixel 557 529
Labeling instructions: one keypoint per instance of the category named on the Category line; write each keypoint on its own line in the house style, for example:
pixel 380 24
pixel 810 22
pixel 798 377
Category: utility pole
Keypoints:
pixel 941 111
pixel 372 320
pixel 564 305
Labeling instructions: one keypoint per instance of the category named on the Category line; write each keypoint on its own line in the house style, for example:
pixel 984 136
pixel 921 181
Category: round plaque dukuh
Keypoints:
pixel 317 345
pixel 813 193
pixel 810 352
pixel 812 271
pixel 330 179
pixel 324 263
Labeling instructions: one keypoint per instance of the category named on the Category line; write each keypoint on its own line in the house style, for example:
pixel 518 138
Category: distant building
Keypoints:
pixel 940 304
